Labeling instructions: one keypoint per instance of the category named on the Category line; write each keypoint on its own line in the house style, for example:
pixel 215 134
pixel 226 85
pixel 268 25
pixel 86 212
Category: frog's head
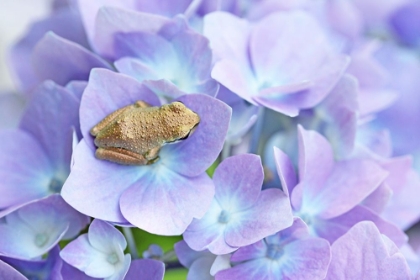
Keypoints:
pixel 183 120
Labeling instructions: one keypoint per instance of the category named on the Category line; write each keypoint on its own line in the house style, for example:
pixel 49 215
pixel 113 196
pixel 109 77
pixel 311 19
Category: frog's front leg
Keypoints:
pixel 111 117
pixel 121 156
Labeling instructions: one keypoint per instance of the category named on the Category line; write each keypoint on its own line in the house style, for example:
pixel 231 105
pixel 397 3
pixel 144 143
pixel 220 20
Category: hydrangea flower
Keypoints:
pixel 302 74
pixel 163 197
pixel 240 213
pixel 335 118
pixel 99 253
pixel 288 254
pixel 363 253
pixel 282 66
pixel 328 199
pixel 35 228
pixel 67 25
pixel 172 61
pixel 35 159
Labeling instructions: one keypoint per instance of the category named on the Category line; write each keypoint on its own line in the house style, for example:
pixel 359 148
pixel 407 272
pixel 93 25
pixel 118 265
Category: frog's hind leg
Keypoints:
pixel 109 119
pixel 121 156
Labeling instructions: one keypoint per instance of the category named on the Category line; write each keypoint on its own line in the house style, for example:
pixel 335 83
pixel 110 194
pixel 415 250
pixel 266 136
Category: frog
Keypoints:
pixel 134 134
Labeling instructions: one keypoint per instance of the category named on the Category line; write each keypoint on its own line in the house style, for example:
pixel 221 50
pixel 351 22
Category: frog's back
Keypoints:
pixel 142 130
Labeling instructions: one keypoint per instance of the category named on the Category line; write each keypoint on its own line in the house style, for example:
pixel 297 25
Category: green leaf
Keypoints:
pixel 176 274
pixel 212 168
pixel 144 239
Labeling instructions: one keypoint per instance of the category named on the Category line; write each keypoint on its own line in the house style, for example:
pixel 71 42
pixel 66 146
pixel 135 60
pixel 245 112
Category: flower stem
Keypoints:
pixel 256 131
pixel 131 243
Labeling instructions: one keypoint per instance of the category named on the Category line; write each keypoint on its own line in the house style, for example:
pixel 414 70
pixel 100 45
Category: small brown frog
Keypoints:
pixel 133 135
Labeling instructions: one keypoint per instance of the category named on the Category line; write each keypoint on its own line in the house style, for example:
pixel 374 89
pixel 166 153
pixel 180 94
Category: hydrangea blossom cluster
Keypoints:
pixel 277 139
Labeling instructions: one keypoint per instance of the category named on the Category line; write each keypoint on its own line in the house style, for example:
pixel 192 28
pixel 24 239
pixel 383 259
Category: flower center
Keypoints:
pixel 224 217
pixel 41 239
pixel 55 185
pixel 274 251
pixel 113 258
pixel 306 218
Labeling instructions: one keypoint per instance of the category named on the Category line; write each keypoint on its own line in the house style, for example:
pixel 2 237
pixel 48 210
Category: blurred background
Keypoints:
pixel 15 18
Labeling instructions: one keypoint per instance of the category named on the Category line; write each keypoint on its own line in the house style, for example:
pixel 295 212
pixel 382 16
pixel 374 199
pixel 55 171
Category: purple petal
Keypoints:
pixel 200 269
pixel 164 88
pixel 350 182
pixel 49 268
pixel 96 191
pixel 285 170
pixel 339 109
pixel 288 46
pixel 89 12
pixel 148 48
pixel 65 23
pixel 362 254
pixel 110 21
pixel 61 213
pixel 80 254
pixel 194 155
pixel 107 92
pixel 314 151
pixel 34 229
pixel 403 208
pixel 51 117
pixel 334 228
pixel 166 204
pixel 271 213
pixel 208 232
pixel 379 199
pixel 254 269
pixel 74 61
pixel 8 272
pixel 167 8
pixel 103 237
pixel 77 88
pixel 236 78
pixel 238 181
pixel 307 259
pixel 228 36
pixel 186 255
pixel 69 272
pixel 146 269
pixel 253 251
pixel 24 168
pixel 135 68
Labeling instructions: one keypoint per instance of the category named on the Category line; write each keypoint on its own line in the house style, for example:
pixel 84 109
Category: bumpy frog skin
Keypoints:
pixel 133 135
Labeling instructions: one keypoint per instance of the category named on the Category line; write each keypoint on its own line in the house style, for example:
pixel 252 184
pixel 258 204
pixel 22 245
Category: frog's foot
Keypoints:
pixel 121 156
